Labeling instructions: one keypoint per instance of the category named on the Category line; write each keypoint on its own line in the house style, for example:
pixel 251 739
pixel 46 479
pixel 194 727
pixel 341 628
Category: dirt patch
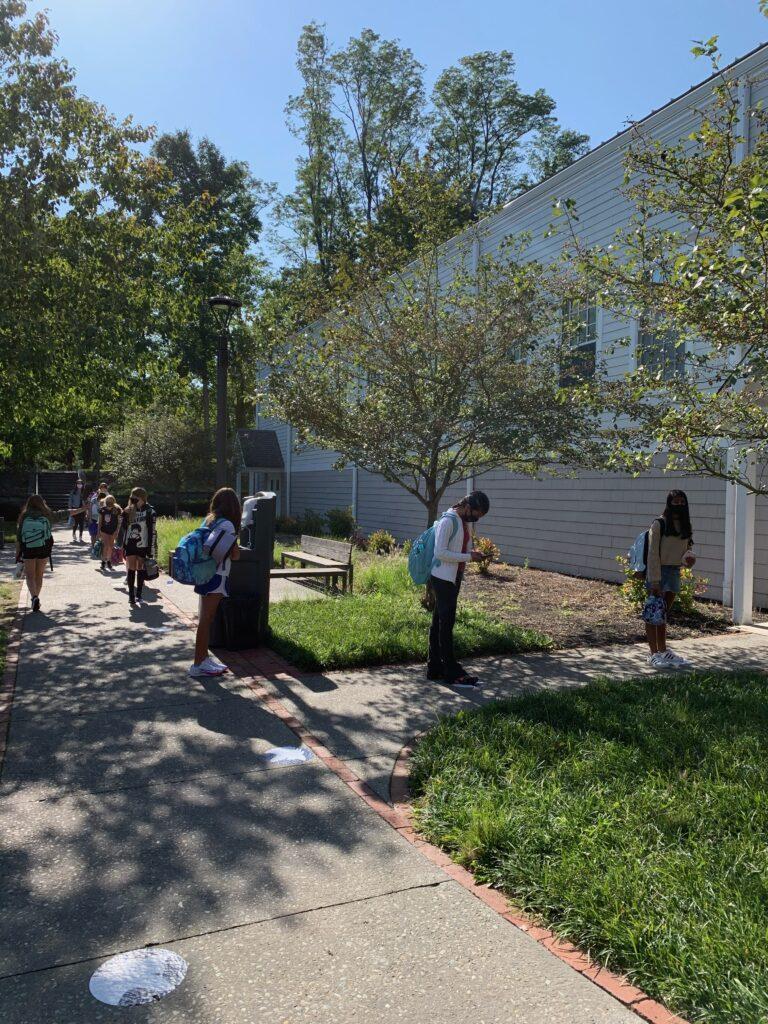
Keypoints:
pixel 577 612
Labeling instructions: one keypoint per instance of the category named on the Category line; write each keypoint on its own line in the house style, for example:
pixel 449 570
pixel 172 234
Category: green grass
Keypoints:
pixel 8 595
pixel 632 817
pixel 381 628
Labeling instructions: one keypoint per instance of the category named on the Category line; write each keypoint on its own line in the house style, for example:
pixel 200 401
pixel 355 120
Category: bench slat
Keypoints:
pixel 306 556
pixel 277 573
pixel 337 550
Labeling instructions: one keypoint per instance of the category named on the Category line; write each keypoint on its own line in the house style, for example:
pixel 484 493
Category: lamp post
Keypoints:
pixel 223 308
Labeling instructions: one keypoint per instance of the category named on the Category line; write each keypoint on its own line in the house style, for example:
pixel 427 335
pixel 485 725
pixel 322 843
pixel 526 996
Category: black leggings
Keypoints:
pixel 78 523
pixel 441 655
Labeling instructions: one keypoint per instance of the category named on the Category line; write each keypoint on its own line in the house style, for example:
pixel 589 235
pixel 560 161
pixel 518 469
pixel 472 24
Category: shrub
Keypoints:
pixel 341 522
pixel 359 540
pixel 312 523
pixel 489 551
pixel 634 593
pixel 381 542
pixel 287 524
pixel 406 548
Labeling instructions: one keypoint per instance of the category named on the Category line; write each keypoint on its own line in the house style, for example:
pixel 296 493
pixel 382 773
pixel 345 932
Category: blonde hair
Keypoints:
pixel 110 503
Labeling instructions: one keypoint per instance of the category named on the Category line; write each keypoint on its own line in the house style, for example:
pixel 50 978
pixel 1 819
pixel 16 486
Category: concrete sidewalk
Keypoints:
pixel 136 807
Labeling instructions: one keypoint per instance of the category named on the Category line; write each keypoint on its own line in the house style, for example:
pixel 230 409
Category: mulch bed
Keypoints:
pixel 577 612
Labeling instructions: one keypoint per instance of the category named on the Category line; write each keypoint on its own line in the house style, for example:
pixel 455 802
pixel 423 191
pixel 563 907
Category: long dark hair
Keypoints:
pixel 477 501
pixel 35 505
pixel 679 512
pixel 225 504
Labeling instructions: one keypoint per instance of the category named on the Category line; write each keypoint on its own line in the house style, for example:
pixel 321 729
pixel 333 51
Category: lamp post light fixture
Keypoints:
pixel 223 309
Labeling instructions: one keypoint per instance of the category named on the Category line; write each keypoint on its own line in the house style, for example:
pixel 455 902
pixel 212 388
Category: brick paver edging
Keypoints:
pixel 620 988
pixel 255 667
pixel 8 682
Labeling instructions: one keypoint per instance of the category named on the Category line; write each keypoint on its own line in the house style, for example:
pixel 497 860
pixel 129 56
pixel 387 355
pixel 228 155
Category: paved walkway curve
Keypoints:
pixel 137 808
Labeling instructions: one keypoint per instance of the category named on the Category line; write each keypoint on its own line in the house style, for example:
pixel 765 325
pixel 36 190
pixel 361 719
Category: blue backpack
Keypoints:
pixel 637 556
pixel 421 560
pixel 190 564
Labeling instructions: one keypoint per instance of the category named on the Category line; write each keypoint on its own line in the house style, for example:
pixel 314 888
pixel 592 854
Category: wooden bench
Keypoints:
pixel 333 557
pixel 297 573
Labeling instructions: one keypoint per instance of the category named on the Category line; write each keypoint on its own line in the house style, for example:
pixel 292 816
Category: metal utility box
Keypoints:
pixel 249 579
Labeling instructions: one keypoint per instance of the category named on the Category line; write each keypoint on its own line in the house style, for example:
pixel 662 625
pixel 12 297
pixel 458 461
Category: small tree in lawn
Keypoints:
pixel 426 381
pixel 692 268
pixel 157 450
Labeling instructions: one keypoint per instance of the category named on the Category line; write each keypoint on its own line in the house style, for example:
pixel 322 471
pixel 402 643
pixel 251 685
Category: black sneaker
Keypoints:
pixel 35 604
pixel 103 566
pixel 435 675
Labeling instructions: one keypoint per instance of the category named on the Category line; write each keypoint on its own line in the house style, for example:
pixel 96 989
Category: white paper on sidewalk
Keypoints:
pixel 137 977
pixel 288 755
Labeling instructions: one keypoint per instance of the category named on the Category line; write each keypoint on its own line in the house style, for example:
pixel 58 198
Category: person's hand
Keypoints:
pixel 689 560
pixel 478 556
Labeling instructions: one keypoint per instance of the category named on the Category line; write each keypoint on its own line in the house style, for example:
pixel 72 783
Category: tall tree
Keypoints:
pixel 319 211
pixel 426 382
pixel 481 119
pixel 76 304
pixel 381 98
pixel 220 203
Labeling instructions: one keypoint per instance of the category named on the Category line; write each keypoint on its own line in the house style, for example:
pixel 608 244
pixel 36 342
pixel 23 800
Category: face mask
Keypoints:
pixel 134 501
pixel 472 519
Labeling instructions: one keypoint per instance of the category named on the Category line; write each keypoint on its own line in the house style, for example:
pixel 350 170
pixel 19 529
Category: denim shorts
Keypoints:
pixel 670 579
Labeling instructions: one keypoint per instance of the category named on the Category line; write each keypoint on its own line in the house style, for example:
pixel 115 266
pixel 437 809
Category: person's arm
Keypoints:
pixel 653 568
pixel 445 527
pixel 18 542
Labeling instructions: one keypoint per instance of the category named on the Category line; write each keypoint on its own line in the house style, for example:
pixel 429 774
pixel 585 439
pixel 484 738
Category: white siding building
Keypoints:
pixel 576 525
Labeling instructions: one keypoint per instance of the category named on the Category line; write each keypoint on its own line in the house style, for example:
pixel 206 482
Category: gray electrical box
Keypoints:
pixel 242 619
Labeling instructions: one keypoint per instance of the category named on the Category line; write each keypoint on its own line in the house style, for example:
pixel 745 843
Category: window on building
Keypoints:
pixel 579 335
pixel 660 352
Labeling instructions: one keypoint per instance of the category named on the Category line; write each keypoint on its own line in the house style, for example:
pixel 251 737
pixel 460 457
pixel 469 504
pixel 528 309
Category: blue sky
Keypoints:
pixel 224 68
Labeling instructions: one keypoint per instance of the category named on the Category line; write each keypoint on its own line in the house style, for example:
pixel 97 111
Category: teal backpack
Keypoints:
pixel 190 564
pixel 35 531
pixel 421 560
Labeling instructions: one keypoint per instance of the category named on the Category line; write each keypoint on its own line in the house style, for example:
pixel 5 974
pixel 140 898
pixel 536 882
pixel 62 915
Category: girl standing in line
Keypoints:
pixel 34 543
pixel 76 507
pixel 138 539
pixel 223 521
pixel 109 521
pixel 453 549
pixel 670 540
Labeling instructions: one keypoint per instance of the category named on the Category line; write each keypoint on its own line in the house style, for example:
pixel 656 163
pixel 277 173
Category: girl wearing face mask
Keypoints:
pixel 453 549
pixel 138 539
pixel 670 540
pixel 76 507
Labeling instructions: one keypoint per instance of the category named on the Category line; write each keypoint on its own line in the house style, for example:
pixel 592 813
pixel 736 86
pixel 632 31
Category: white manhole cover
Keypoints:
pixel 138 977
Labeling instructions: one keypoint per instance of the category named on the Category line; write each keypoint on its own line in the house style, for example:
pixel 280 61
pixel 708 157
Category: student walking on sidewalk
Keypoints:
pixel 109 521
pixel 223 522
pixel 138 539
pixel 34 543
pixel 453 549
pixel 77 507
pixel 670 540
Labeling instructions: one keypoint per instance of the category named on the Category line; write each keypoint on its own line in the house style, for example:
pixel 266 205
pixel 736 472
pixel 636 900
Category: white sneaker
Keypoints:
pixel 658 661
pixel 205 668
pixel 215 661
pixel 677 660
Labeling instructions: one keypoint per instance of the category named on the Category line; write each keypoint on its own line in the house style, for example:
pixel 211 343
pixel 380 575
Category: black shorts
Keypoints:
pixel 132 550
pixel 34 553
